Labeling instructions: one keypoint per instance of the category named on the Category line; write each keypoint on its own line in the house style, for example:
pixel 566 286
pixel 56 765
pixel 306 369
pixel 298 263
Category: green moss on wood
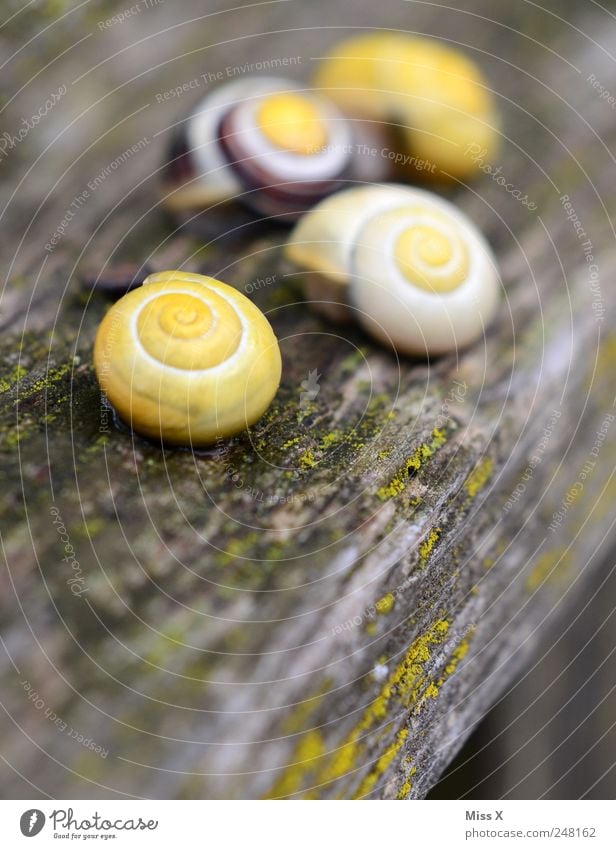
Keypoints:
pixel 12 377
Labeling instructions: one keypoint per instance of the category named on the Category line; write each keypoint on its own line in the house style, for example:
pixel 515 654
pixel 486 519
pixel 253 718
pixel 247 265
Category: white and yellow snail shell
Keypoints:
pixel 187 359
pixel 437 101
pixel 407 264
pixel 268 142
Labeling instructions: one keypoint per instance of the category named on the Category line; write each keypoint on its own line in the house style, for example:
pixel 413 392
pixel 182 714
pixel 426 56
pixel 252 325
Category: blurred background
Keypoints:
pixel 551 733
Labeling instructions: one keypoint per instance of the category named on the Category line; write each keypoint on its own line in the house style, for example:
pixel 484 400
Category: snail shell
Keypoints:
pixel 267 142
pixel 414 270
pixel 436 99
pixel 187 359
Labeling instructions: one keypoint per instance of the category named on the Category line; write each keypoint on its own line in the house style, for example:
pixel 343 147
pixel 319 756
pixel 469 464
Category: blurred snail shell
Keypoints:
pixel 407 264
pixel 436 100
pixel 267 142
pixel 187 359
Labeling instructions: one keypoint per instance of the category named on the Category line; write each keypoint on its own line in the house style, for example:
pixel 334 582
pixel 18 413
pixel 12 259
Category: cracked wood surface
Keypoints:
pixel 326 606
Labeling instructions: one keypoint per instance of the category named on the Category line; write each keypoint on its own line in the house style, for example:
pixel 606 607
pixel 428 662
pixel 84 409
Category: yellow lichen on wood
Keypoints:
pixel 405 788
pixel 296 719
pixel 309 749
pixel 406 691
pixel 330 439
pixel 393 488
pixel 426 548
pixel 478 478
pixel 412 465
pixel 460 652
pixel 403 689
pixel 431 691
pixel 422 694
pixel 384 605
pixel 307 459
pixel 553 566
pixel 383 763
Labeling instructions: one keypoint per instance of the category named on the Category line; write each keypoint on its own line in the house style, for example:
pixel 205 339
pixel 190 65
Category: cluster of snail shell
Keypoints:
pixel 280 147
pixel 187 359
pixel 408 265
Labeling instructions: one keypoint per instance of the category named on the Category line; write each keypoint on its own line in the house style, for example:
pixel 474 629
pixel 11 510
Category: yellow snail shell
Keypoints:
pixel 267 142
pixel 187 359
pixel 437 100
pixel 417 273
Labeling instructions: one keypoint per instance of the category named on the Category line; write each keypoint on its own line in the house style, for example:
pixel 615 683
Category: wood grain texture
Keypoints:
pixel 326 606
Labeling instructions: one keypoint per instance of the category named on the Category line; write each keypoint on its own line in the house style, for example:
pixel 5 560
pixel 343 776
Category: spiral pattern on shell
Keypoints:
pixel 412 268
pixel 268 142
pixel 187 359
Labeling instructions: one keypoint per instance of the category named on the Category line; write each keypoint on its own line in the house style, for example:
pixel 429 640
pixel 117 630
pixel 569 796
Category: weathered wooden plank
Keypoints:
pixel 326 606
pixel 551 734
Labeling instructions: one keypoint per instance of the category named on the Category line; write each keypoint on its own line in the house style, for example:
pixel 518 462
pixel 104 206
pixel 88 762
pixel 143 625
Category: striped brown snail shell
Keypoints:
pixel 270 143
